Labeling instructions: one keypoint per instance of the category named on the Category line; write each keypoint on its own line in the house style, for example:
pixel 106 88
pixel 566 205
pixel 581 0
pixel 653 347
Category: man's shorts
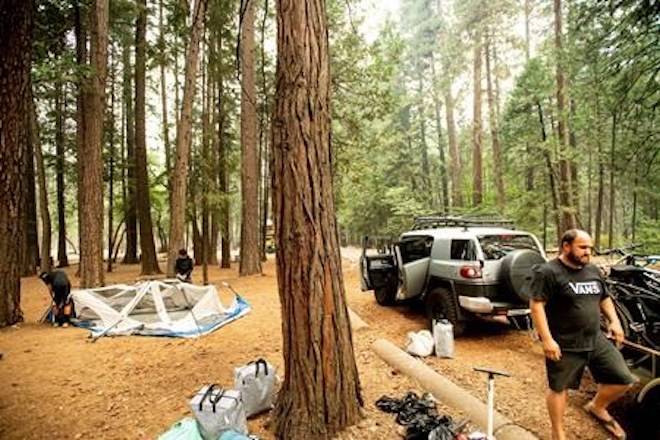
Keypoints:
pixel 605 363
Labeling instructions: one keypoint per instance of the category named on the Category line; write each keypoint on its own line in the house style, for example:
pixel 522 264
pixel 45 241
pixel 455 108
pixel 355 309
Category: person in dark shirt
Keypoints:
pixel 184 266
pixel 59 288
pixel 567 297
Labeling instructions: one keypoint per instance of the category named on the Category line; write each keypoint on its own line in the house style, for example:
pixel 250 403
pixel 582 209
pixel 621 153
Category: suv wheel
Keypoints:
pixel 386 295
pixel 440 305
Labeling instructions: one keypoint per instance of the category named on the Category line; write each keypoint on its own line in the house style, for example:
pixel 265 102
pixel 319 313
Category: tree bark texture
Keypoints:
pixel 321 391
pixel 454 155
pixel 552 185
pixel 184 140
pixel 31 242
pixel 601 193
pixel 205 168
pixel 498 170
pixel 62 258
pixel 80 27
pixel 264 144
pixel 16 22
pixel 130 207
pixel 610 232
pixel 148 258
pixel 163 98
pixel 424 151
pixel 250 262
pixel 45 257
pixel 477 172
pixel 111 158
pixel 529 169
pixel 566 207
pixel 223 182
pixel 213 165
pixel 91 160
pixel 441 147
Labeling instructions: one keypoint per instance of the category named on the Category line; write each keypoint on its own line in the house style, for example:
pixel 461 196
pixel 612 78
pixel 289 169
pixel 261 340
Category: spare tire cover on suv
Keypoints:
pixel 517 272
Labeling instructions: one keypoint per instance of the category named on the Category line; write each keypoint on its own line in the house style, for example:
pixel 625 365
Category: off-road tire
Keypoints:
pixel 440 304
pixel 386 295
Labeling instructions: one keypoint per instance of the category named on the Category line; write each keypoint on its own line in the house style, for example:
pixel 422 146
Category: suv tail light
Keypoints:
pixel 470 272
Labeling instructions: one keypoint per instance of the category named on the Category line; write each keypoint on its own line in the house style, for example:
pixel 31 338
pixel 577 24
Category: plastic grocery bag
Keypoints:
pixel 420 343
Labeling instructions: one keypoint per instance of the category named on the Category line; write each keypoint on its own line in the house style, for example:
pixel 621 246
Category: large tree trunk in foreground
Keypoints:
pixel 16 20
pixel 477 172
pixel 184 140
pixel 148 259
pixel 321 390
pixel 250 256
pixel 90 159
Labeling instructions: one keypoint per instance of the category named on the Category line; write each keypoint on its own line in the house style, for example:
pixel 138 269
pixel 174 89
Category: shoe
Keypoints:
pixel 610 424
pixel 65 325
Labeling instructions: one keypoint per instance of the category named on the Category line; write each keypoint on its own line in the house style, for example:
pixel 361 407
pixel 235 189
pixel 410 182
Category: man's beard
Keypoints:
pixel 577 260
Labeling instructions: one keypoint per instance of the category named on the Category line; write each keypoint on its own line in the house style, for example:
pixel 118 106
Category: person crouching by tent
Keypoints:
pixel 184 266
pixel 59 288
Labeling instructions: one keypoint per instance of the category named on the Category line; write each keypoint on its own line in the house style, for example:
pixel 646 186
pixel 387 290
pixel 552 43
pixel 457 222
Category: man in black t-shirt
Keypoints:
pixel 59 287
pixel 567 297
pixel 184 266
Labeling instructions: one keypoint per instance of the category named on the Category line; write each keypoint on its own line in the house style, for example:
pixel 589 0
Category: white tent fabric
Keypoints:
pixel 156 308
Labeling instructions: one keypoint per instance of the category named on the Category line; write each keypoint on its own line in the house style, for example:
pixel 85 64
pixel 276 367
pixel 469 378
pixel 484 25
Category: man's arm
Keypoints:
pixel 550 346
pixel 614 329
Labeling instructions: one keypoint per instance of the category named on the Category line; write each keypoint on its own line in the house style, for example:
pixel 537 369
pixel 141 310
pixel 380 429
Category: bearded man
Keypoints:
pixel 568 295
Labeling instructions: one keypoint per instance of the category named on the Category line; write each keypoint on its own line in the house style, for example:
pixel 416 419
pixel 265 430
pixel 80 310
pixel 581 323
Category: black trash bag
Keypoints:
pixel 419 416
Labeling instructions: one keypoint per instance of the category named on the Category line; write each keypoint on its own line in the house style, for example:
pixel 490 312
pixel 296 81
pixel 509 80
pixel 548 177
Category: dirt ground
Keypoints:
pixel 55 383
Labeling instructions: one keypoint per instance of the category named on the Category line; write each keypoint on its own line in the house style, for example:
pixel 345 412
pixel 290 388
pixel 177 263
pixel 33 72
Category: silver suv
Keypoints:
pixel 461 268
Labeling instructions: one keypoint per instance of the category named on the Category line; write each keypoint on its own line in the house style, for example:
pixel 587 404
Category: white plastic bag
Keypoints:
pixel 443 337
pixel 420 343
pixel 256 381
pixel 217 410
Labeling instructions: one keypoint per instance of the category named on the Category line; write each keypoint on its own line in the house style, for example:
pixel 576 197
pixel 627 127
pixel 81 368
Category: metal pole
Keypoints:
pixel 491 404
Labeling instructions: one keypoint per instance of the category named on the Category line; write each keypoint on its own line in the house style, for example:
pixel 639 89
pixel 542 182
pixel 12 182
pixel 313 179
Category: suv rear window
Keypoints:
pixel 463 250
pixel 495 247
pixel 415 248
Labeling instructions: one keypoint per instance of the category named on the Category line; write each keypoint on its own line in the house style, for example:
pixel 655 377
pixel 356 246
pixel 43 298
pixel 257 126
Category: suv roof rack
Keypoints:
pixel 457 221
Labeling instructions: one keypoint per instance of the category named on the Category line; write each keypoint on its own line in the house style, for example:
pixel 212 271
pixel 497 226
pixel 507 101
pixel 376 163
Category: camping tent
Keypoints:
pixel 155 308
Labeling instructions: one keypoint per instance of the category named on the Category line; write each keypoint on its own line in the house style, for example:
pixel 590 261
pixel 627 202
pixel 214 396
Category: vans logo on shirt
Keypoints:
pixel 586 288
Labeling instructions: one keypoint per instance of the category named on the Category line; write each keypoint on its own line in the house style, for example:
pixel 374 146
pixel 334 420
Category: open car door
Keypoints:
pixel 413 256
pixel 376 270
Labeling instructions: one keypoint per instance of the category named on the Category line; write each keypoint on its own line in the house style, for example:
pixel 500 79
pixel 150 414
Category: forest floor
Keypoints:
pixel 55 383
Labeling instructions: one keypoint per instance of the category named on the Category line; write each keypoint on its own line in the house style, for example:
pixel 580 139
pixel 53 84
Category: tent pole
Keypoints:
pixel 185 297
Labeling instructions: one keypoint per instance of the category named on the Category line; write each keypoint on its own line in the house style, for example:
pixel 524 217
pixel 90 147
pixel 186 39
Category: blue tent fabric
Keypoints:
pixel 243 307
pixel 186 429
pixel 155 308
